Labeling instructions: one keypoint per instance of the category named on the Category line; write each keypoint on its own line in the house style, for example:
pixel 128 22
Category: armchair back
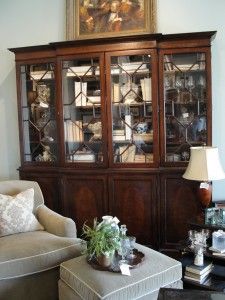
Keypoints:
pixel 13 187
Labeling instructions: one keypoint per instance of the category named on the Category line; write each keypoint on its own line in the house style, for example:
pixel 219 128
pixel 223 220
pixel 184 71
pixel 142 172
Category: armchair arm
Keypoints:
pixel 55 223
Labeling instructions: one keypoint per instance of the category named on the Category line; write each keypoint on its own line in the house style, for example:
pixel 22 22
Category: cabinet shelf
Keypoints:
pixel 44 142
pixel 137 104
pixel 194 223
pixel 193 143
pixel 88 77
pixel 194 102
pixel 41 80
pixel 138 73
pixel 89 107
pixel 174 72
pixel 89 143
pixel 135 142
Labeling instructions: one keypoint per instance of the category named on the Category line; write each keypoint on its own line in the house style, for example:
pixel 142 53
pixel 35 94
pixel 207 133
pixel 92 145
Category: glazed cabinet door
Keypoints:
pixel 132 108
pixel 132 200
pixel 178 206
pixel 185 102
pixel 83 106
pixel 37 113
pixel 84 198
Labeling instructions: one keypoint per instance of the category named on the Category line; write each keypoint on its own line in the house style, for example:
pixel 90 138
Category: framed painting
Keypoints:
pixel 88 19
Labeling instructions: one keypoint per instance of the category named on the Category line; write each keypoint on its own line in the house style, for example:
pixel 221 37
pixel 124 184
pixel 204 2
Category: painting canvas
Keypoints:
pixel 99 18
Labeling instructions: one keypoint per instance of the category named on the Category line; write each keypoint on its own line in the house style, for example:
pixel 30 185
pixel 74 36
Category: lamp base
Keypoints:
pixel 204 194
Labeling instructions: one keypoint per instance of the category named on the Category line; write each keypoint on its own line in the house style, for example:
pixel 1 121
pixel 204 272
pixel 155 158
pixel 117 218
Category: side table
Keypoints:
pixel 216 279
pixel 177 294
pixel 214 282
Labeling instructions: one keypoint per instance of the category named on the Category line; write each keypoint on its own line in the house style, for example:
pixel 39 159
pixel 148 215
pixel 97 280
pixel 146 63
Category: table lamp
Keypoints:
pixel 204 166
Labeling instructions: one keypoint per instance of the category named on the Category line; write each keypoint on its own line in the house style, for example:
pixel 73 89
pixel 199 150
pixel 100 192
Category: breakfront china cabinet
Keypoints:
pixel 106 127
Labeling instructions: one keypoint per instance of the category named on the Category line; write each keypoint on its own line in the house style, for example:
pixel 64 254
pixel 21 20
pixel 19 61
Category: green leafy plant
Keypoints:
pixel 101 239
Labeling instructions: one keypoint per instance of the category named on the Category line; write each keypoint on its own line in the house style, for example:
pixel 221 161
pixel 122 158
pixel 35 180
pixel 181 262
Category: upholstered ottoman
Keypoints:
pixel 78 280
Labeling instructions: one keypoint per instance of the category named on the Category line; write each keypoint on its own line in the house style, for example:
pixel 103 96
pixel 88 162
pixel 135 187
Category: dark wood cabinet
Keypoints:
pixel 133 200
pixel 106 127
pixel 50 186
pixel 85 197
pixel 177 204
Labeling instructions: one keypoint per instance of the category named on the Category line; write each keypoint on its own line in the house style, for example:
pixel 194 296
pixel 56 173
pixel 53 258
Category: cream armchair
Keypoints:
pixel 29 261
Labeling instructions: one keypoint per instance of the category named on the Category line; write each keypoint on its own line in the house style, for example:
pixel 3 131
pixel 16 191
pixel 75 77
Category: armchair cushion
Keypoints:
pixel 16 213
pixel 32 252
pixel 55 223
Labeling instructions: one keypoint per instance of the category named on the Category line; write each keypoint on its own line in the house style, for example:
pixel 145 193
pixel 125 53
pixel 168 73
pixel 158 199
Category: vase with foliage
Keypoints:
pixel 102 241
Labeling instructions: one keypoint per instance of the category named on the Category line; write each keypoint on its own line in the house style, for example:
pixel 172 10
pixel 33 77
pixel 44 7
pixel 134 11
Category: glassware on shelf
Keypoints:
pixel 201 85
pixel 190 85
pixel 190 82
pixel 178 85
pixel 201 81
pixel 167 82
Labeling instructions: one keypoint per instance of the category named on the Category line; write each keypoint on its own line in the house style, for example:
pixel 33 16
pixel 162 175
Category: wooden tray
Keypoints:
pixel 133 263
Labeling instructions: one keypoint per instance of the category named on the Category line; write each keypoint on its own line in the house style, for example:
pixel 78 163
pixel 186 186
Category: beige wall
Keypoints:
pixel 32 22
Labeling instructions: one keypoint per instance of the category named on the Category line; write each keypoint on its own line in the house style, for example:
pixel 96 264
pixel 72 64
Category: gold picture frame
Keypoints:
pixel 89 19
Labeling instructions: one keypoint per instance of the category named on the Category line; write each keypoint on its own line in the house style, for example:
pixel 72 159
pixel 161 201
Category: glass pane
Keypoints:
pixel 185 104
pixel 38 112
pixel 82 110
pixel 131 99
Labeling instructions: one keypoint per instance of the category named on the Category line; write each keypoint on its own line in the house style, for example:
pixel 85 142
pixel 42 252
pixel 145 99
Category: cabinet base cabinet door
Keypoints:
pixel 132 201
pixel 50 187
pixel 178 206
pixel 84 199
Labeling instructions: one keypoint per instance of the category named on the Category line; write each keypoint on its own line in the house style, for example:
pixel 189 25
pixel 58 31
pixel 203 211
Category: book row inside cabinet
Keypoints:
pixel 106 127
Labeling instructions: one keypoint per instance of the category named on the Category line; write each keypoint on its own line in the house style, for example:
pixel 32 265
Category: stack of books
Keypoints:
pixel 146 89
pixel 143 158
pixel 80 71
pixel 80 89
pixel 39 75
pixel 198 273
pixel 83 156
pixel 187 67
pixel 73 131
pixel 119 135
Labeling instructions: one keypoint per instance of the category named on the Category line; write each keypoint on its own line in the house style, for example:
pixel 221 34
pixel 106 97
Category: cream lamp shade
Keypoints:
pixel 204 165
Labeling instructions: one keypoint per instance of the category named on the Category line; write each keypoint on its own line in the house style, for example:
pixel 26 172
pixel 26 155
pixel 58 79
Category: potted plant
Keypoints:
pixel 102 241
